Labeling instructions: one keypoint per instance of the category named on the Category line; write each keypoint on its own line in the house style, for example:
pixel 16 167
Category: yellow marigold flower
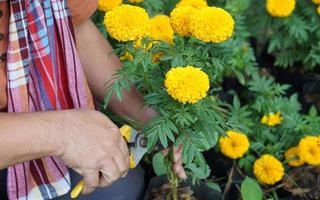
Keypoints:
pixel 160 29
pixel 127 23
pixel 192 3
pixel 135 1
pixel 106 5
pixel 316 1
pixel 318 10
pixel 127 57
pixel 264 119
pixel 234 145
pixel 272 119
pixel 280 8
pixel 292 157
pixel 268 169
pixel 180 20
pixel 211 24
pixel 187 84
pixel 309 150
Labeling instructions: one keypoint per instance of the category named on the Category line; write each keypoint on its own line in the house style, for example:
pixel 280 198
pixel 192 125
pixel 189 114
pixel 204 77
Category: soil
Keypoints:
pixel 185 193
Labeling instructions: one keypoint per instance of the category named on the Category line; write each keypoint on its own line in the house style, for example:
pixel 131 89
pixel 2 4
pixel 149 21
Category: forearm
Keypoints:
pixel 25 137
pixel 100 64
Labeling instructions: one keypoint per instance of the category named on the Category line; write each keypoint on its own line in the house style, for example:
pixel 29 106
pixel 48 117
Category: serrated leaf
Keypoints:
pixel 163 139
pixel 172 126
pixel 240 77
pixel 152 141
pixel 170 136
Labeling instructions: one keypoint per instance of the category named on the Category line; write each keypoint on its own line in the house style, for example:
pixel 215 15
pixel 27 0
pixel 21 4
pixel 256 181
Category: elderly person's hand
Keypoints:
pixel 93 144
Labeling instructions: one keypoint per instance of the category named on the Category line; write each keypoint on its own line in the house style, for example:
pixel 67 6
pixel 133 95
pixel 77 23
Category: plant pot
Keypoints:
pixel 200 191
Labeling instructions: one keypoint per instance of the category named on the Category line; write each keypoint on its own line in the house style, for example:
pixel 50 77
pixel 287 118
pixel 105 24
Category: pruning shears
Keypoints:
pixel 137 144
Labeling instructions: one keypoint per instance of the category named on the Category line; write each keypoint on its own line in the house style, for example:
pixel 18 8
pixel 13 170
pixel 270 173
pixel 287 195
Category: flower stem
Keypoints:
pixel 173 178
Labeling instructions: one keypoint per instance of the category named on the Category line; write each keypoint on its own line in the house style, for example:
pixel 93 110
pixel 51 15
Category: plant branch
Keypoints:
pixel 229 183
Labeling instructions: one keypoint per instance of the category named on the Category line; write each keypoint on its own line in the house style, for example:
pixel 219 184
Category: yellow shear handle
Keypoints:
pixel 125 131
pixel 77 190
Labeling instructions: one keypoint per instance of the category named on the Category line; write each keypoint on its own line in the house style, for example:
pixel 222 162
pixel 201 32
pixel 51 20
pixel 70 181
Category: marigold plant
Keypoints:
pixel 282 141
pixel 234 145
pixel 272 119
pixel 160 28
pixel 268 169
pixel 316 1
pixel 174 71
pixel 180 20
pixel 127 23
pixel 292 31
pixel 192 3
pixel 293 158
pixel 211 24
pixel 187 84
pixel 194 62
pixel 106 5
pixel 309 150
pixel 280 8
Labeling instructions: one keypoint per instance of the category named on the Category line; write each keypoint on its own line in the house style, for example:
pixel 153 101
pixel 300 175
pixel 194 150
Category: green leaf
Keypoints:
pixel 152 141
pixel 251 190
pixel 214 186
pixel 158 164
pixel 163 139
pixel 200 173
pixel 240 77
pixel 236 102
pixel 172 126
pixel 313 111
pixel 108 97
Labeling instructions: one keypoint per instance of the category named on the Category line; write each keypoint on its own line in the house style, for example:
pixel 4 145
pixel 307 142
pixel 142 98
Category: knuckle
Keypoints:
pixel 91 183
pixel 115 175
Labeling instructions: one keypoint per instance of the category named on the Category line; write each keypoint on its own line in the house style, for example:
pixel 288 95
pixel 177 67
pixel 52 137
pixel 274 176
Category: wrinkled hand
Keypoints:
pixel 178 164
pixel 93 147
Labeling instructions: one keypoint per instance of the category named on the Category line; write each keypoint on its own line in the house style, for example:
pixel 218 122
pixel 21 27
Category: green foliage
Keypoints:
pixel 158 164
pixel 214 186
pixel 196 126
pixel 251 190
pixel 262 96
pixel 237 51
pixel 294 40
pixel 290 40
pixel 265 96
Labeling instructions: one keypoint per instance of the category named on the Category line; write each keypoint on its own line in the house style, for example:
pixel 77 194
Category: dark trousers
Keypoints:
pixel 129 188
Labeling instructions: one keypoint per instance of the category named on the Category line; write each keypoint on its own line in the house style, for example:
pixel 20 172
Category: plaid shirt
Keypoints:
pixel 43 73
pixel 80 12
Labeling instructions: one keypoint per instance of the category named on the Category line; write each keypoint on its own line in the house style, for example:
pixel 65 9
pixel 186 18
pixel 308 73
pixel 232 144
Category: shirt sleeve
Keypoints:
pixel 81 12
